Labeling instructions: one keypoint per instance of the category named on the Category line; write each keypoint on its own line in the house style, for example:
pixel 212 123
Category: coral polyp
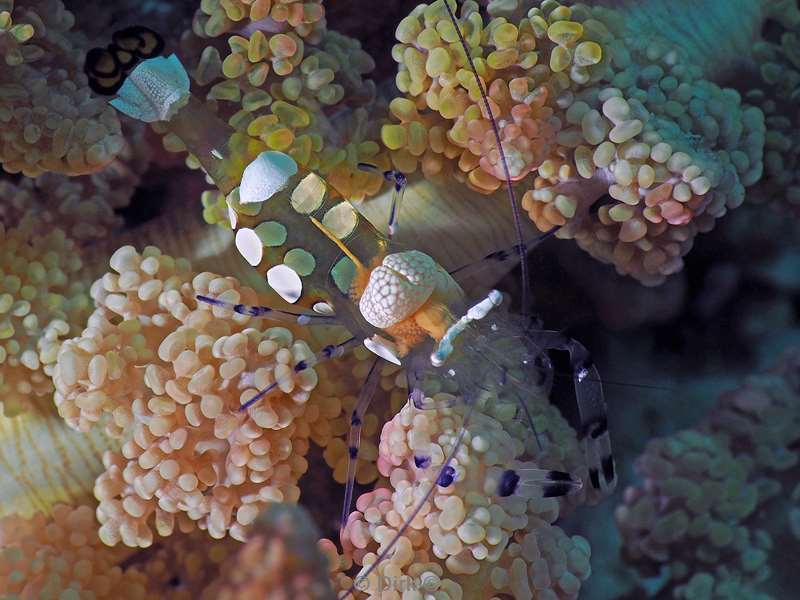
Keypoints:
pixel 43 302
pixel 702 511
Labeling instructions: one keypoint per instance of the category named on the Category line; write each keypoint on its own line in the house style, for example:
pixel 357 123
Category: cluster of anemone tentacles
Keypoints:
pixel 284 82
pixel 51 119
pixel 165 374
pixel 717 510
pixel 616 136
pixel 778 57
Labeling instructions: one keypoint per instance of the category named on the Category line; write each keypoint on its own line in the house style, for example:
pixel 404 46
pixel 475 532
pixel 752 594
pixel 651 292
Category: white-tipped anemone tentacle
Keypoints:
pixel 154 91
pixel 399 287
pixel 475 313
pixel 266 175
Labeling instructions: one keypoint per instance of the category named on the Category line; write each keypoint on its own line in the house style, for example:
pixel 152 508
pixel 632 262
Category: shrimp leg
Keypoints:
pixel 399 182
pixel 354 439
pixel 500 256
pixel 329 352
pixel 592 410
pixel 275 314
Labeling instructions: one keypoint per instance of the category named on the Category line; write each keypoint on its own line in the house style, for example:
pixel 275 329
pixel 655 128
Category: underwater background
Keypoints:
pixel 653 152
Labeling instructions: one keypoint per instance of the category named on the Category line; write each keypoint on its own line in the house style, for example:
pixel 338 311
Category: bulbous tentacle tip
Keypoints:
pixel 154 90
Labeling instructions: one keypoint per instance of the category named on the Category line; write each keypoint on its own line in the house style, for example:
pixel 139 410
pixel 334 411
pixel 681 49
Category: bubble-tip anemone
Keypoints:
pixel 588 113
pixel 51 120
pixel 167 375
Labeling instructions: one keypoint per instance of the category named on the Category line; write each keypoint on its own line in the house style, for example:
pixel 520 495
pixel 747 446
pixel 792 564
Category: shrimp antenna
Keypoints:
pixel 523 260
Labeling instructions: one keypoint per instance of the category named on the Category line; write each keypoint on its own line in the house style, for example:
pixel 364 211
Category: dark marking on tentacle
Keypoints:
pixel 594 478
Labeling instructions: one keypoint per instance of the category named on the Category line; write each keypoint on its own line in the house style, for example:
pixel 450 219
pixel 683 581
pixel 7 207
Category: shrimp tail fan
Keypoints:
pixel 154 90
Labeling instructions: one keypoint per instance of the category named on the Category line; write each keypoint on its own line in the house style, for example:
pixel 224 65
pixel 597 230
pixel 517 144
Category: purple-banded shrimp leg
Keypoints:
pixel 329 352
pixel 444 478
pixel 354 438
pixel 276 314
pixel 398 181
pixel 592 410
pixel 512 198
pixel 532 482
pixel 501 256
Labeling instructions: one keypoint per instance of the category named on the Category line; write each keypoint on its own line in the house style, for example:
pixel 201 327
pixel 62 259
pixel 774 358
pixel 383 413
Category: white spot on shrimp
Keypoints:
pixel 232 217
pixel 285 282
pixel 383 348
pixel 154 91
pixel 268 174
pixel 323 308
pixel 249 246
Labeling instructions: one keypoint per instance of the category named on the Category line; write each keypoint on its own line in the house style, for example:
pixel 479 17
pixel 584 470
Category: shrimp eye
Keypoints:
pixel 139 40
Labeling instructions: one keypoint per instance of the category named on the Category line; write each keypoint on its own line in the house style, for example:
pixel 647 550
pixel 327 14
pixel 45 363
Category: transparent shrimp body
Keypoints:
pixel 319 254
pixel 312 246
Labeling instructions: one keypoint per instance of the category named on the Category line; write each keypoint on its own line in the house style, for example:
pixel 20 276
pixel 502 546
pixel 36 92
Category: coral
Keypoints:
pixel 62 557
pixel 279 561
pixel 778 57
pixel 305 19
pixel 289 84
pixel 587 109
pixel 42 301
pixel 696 497
pixel 466 537
pixel 44 462
pixel 171 373
pixel 183 565
pixel 81 206
pixel 51 120
pixel 716 501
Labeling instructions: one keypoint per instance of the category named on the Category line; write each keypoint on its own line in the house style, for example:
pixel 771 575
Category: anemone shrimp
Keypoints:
pixel 317 252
